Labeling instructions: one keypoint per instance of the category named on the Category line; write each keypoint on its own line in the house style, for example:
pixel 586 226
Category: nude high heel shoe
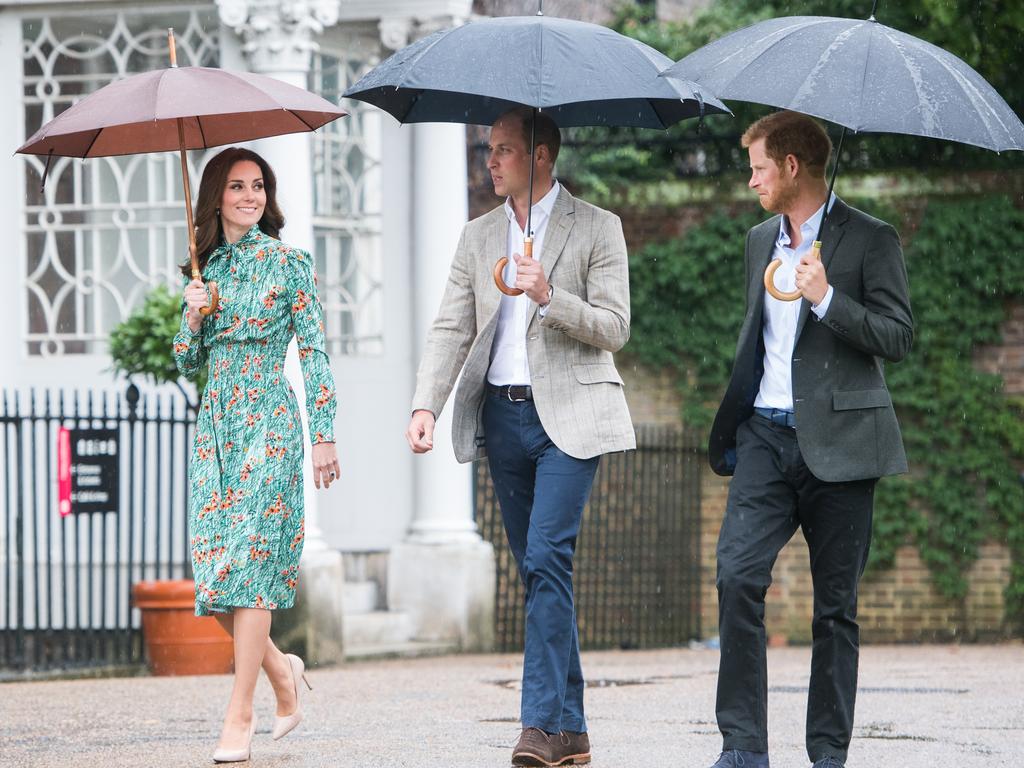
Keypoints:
pixel 284 724
pixel 236 755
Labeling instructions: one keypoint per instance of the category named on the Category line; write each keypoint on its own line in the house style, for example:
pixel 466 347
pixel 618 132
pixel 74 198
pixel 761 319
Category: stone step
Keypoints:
pixel 359 597
pixel 406 649
pixel 376 628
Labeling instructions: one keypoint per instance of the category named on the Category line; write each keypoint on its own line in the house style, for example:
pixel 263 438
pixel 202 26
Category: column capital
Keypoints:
pixel 398 31
pixel 278 34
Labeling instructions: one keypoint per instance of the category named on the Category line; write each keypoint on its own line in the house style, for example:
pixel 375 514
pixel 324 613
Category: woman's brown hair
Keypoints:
pixel 209 232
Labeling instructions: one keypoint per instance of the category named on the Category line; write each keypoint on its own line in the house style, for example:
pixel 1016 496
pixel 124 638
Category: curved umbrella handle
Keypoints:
pixel 769 277
pixel 214 294
pixel 499 268
pixel 214 299
pixel 499 281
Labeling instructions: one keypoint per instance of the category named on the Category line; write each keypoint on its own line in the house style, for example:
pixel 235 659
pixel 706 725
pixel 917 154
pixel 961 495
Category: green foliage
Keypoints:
pixel 688 304
pixel 142 343
pixel 964 438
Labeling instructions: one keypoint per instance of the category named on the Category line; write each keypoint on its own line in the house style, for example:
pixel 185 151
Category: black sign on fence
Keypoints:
pixel 95 454
pixel 66 579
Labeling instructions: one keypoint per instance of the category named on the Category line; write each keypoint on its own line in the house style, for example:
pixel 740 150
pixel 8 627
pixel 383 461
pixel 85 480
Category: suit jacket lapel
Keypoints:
pixel 835 227
pixel 557 233
pixel 495 246
pixel 762 248
pixel 762 245
pixel 555 237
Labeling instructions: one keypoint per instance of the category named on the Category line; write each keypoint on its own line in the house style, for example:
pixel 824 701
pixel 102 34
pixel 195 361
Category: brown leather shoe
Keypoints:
pixel 538 748
pixel 578 748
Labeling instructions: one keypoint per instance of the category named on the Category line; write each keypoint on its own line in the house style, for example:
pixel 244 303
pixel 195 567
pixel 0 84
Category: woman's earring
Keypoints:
pixel 217 212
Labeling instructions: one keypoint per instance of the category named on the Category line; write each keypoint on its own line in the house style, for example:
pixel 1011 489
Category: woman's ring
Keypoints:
pixel 333 475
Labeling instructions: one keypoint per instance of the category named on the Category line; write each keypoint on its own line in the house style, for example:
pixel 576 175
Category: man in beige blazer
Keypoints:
pixel 539 397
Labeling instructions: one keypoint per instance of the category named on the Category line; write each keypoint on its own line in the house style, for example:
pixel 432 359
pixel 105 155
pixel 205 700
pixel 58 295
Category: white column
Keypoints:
pixel 443 574
pixel 443 505
pixel 278 42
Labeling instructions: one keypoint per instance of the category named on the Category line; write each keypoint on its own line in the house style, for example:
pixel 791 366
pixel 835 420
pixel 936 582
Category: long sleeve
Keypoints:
pixel 190 354
pixel 308 322
pixel 884 324
pixel 602 320
pixel 450 337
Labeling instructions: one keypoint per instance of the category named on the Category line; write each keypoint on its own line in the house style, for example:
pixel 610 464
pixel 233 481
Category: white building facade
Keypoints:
pixel 379 204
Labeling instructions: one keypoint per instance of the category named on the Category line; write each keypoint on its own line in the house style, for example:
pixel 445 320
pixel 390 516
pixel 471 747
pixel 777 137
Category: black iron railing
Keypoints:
pixel 637 565
pixel 65 580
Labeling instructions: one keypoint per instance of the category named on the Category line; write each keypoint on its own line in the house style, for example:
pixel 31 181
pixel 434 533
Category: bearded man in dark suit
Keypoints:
pixel 806 428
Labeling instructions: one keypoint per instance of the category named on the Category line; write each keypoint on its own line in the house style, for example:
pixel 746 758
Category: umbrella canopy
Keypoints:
pixel 140 114
pixel 578 73
pixel 862 75
pixel 180 109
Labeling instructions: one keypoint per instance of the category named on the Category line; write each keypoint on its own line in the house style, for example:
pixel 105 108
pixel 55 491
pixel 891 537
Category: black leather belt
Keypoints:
pixel 776 416
pixel 517 393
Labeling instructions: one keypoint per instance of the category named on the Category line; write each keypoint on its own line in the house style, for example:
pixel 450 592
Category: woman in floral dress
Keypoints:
pixel 246 502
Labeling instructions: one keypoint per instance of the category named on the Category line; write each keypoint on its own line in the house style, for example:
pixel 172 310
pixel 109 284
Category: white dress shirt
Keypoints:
pixel 509 364
pixel 780 317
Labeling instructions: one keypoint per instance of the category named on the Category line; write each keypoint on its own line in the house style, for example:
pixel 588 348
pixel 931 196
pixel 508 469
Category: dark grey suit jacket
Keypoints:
pixel 845 423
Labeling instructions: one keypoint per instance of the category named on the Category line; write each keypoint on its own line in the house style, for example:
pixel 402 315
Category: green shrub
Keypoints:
pixel 141 345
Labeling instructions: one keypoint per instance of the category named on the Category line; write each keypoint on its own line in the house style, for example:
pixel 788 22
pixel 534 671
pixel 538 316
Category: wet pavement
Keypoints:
pixel 918 707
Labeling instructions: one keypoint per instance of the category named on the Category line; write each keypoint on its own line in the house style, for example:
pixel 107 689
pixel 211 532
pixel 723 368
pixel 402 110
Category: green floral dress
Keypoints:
pixel 246 522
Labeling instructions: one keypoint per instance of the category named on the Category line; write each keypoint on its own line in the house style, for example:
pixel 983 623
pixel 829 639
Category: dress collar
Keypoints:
pixel 253 236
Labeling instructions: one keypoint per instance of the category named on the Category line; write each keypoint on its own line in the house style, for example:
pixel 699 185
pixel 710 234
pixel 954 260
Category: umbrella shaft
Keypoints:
pixel 188 200
pixel 533 160
pixel 831 185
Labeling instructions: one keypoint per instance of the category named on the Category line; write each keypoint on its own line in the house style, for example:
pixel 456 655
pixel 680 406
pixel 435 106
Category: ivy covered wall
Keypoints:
pixel 964 436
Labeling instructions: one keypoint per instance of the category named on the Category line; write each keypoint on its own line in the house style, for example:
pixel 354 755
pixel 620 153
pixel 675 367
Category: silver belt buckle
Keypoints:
pixel 514 400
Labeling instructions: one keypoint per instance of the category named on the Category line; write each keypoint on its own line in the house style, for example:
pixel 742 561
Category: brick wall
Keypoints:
pixel 896 605
pixel 899 604
pixel 1007 358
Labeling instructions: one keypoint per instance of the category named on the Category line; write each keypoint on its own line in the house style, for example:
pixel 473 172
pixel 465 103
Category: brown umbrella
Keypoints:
pixel 180 109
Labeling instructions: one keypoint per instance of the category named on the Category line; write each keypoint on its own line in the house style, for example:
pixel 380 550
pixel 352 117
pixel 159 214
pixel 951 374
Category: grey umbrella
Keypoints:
pixel 578 73
pixel 863 75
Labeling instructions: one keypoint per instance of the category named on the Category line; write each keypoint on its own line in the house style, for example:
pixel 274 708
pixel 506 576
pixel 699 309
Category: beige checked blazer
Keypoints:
pixel 577 391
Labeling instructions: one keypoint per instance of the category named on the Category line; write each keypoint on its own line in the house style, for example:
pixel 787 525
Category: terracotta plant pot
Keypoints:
pixel 177 641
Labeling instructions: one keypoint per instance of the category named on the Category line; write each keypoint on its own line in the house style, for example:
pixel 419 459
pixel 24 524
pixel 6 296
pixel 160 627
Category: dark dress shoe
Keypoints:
pixel 539 748
pixel 578 748
pixel 828 762
pixel 740 758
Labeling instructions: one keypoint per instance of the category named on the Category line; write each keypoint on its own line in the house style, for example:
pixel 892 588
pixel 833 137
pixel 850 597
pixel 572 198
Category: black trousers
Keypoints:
pixel 771 495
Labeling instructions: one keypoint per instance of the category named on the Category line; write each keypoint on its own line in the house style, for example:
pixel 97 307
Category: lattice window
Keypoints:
pixel 347 213
pixel 106 230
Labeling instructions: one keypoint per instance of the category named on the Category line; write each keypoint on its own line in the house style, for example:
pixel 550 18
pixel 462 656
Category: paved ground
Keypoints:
pixel 919 707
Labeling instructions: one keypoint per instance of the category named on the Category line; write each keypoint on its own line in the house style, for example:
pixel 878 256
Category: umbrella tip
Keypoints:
pixel 171 49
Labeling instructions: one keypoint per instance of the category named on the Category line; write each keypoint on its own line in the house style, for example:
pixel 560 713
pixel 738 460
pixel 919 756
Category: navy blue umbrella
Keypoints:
pixel 862 75
pixel 578 73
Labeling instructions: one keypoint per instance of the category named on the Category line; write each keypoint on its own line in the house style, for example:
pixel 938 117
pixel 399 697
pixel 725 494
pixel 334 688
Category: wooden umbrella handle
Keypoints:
pixel 499 268
pixel 214 294
pixel 769 277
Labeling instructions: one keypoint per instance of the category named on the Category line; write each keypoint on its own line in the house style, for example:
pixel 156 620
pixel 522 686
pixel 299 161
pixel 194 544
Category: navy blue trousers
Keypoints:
pixel 542 492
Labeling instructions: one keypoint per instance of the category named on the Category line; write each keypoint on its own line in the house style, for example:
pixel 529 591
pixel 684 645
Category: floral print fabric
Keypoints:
pixel 246 522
